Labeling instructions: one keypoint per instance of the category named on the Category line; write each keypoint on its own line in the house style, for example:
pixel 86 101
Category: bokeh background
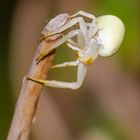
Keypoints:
pixel 106 107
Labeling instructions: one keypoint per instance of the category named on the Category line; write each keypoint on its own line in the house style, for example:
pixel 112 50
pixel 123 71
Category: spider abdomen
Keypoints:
pixel 111 33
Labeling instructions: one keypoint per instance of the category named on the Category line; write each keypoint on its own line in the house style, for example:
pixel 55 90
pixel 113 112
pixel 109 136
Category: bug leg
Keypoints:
pixel 73 47
pixel 72 42
pixel 81 72
pixel 71 85
pixel 58 43
pixel 65 64
pixel 92 26
pixel 85 14
pixel 70 24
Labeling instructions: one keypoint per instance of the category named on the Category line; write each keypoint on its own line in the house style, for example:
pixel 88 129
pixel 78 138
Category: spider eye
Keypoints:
pixel 111 33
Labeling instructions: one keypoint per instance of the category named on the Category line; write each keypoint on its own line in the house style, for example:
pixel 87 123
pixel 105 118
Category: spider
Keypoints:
pixel 102 36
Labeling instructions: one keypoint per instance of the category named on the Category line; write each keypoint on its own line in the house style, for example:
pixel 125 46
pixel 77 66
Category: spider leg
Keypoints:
pixel 65 64
pixel 68 25
pixel 92 29
pixel 58 43
pixel 85 14
pixel 71 85
pixel 72 42
pixel 92 26
pixel 73 22
pixel 73 47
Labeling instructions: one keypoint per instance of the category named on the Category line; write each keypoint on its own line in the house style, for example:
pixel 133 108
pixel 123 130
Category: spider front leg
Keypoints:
pixel 73 47
pixel 68 25
pixel 58 43
pixel 82 69
pixel 72 42
pixel 85 14
pixel 65 64
pixel 92 26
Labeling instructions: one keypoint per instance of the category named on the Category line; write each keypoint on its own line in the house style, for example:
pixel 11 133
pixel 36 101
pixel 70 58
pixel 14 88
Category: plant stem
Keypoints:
pixel 29 95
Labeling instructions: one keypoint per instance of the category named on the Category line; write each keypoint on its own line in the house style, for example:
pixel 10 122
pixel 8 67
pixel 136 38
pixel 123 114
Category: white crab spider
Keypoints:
pixel 102 36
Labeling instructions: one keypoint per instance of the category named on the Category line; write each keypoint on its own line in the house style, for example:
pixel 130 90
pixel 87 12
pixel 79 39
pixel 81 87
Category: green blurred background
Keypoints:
pixel 106 107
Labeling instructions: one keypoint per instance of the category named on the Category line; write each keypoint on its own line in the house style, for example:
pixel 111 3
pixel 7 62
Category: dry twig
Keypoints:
pixel 29 95
pixel 30 91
